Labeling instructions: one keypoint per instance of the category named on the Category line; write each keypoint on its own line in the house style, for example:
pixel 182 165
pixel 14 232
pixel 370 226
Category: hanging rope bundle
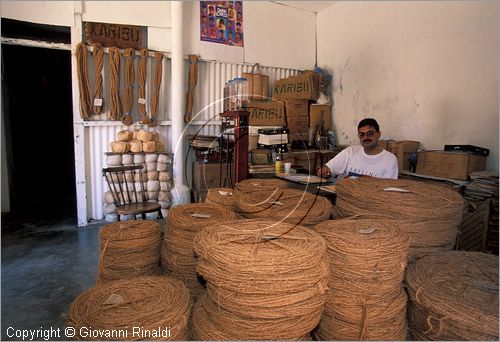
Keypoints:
pixel 83 81
pixel 143 72
pixel 365 300
pixel 454 296
pixel 266 280
pixel 142 308
pixel 222 196
pixel 193 79
pixel 183 222
pixel 98 54
pixel 290 205
pixel 155 93
pixel 256 185
pixel 431 212
pixel 127 118
pixel 114 93
pixel 129 249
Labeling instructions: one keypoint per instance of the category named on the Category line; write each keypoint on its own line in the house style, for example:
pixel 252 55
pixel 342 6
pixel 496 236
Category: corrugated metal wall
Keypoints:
pixel 205 121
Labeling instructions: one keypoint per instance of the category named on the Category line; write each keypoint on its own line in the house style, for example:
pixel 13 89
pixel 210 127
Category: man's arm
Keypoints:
pixel 335 166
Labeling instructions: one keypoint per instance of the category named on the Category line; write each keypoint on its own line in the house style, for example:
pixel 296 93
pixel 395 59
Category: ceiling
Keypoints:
pixel 311 6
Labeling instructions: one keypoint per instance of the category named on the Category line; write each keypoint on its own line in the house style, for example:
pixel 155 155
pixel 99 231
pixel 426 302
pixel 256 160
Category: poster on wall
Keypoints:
pixel 222 22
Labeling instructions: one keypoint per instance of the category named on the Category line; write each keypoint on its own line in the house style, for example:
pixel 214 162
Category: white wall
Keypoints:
pixel 41 12
pixel 427 70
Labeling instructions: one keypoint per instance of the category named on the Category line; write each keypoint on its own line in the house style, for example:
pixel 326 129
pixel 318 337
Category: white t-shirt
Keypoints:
pixel 353 161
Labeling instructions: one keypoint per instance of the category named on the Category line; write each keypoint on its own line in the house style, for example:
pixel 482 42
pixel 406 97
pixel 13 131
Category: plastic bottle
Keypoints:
pixel 278 164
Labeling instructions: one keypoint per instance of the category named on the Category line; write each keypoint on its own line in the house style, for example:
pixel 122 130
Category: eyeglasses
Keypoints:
pixel 367 134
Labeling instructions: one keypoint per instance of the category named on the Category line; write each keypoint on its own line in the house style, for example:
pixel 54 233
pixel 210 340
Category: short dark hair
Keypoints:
pixel 369 122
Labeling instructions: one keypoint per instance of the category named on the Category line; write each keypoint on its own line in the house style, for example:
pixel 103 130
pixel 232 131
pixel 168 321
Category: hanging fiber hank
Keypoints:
pixel 114 63
pixel 98 103
pixel 141 101
pixel 127 118
pixel 83 81
pixel 193 79
pixel 155 93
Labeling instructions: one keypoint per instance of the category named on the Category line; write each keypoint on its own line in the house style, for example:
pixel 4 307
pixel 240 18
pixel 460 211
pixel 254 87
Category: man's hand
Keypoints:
pixel 323 171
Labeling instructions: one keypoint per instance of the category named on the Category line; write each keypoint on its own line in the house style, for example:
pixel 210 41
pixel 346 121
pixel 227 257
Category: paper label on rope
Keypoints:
pixel 396 189
pixel 277 202
pixel 97 102
pixel 114 299
pixel 200 215
pixel 141 100
pixel 366 230
pixel 224 193
pixel 269 237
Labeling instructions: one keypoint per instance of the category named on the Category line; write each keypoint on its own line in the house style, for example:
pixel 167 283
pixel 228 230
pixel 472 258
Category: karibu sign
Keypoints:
pixel 121 36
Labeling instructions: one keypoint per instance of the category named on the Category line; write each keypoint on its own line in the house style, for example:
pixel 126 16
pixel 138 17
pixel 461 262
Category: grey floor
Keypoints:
pixel 45 266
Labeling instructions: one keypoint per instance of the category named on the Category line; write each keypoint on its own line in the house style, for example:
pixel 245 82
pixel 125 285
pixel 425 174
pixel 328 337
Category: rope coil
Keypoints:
pixel 266 280
pixel 98 54
pixel 454 296
pixel 129 249
pixel 256 185
pixel 127 119
pixel 114 66
pixel 368 261
pixel 143 72
pixel 155 93
pixel 222 196
pixel 83 81
pixel 151 303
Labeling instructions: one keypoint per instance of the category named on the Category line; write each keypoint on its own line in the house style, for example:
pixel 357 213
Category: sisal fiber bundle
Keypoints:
pixel 163 196
pixel 129 249
pixel 183 222
pixel 114 160
pixel 164 158
pixel 152 175
pixel 151 157
pixel 256 185
pixel 165 186
pixel 152 195
pixel 119 146
pixel 159 306
pixel 151 166
pixel 222 196
pixel 144 135
pixel 138 158
pixel 128 159
pixel 290 205
pixel 124 135
pixel 431 212
pixel 454 296
pixel 164 176
pixel 148 146
pixel 108 197
pixel 159 146
pixel 266 280
pixel 365 298
pixel 162 166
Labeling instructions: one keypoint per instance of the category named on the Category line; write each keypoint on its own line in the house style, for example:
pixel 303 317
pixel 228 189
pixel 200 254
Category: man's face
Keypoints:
pixel 368 136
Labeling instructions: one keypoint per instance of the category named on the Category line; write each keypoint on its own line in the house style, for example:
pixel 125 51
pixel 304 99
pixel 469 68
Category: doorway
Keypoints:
pixel 38 119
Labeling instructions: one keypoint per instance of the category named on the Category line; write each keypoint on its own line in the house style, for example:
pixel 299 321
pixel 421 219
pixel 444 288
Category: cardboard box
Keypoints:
pixel 304 86
pixel 296 108
pixel 455 165
pixel 402 149
pixel 307 159
pixel 266 113
pixel 383 144
pixel 298 124
pixel 260 156
pixel 319 115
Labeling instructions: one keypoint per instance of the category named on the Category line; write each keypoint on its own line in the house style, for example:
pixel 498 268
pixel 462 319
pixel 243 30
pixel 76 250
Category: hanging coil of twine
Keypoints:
pixel 290 205
pixel 222 196
pixel 365 298
pixel 265 279
pixel 114 74
pixel 432 211
pixel 98 53
pixel 454 296
pixel 127 118
pixel 143 73
pixel 129 249
pixel 183 222
pixel 255 185
pixel 155 93
pixel 83 81
pixel 160 306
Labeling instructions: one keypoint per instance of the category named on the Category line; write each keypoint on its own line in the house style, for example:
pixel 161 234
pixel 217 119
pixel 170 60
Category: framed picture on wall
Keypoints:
pixel 221 22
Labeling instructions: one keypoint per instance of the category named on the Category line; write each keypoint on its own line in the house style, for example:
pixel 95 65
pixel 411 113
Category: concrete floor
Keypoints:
pixel 45 266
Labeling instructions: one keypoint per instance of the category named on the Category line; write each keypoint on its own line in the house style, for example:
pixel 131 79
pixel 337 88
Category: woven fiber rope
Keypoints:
pixel 255 185
pixel 266 280
pixel 183 222
pixel 129 249
pixel 431 212
pixel 222 196
pixel 289 205
pixel 454 296
pixel 142 308
pixel 365 298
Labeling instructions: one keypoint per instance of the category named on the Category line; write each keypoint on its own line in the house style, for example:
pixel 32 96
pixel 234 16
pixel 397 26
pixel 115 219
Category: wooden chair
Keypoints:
pixel 127 199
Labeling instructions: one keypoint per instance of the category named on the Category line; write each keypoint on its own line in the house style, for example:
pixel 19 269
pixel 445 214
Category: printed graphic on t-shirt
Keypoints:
pixel 361 173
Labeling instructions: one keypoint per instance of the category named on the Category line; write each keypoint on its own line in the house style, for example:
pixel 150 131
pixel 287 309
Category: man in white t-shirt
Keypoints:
pixel 367 159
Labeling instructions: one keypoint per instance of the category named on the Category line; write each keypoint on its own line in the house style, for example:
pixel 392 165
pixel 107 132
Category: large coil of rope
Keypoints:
pixel 289 205
pixel 266 280
pixel 129 249
pixel 454 296
pixel 183 222
pixel 142 308
pixel 431 212
pixel 222 196
pixel 365 299
pixel 255 185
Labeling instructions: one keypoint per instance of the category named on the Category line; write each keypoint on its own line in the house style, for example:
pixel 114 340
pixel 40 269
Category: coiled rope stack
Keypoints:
pixel 429 213
pixel 222 196
pixel 266 280
pixel 454 296
pixel 256 185
pixel 129 249
pixel 289 205
pixel 365 300
pixel 142 308
pixel 183 222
